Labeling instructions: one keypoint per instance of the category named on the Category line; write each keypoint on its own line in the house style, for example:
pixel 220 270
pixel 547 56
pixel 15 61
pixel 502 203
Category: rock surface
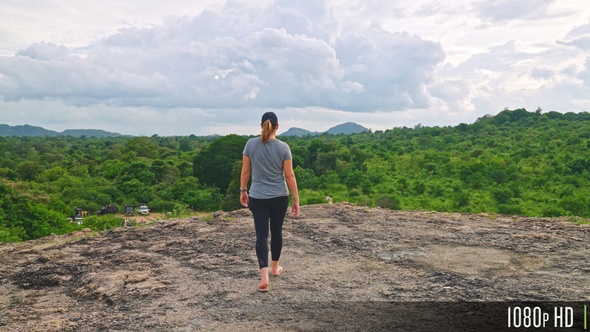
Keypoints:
pixel 342 262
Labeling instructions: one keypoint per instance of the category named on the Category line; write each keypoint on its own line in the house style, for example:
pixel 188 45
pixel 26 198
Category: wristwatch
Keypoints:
pixel 244 190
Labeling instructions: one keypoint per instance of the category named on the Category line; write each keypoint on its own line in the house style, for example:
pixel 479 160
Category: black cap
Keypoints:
pixel 270 116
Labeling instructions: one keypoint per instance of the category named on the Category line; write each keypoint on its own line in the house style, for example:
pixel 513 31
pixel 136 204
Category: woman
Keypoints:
pixel 270 162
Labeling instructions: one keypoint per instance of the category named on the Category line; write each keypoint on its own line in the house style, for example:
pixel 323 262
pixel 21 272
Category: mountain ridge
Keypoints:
pixel 346 128
pixel 28 130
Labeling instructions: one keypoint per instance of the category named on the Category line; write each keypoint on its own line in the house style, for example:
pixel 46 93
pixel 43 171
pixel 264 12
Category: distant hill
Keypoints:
pixel 88 133
pixel 299 132
pixel 27 130
pixel 345 128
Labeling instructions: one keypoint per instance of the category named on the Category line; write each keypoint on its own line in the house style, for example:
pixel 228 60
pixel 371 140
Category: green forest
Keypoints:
pixel 514 163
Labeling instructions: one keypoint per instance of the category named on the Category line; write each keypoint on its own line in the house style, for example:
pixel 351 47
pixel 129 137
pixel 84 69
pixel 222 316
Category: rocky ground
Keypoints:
pixel 346 268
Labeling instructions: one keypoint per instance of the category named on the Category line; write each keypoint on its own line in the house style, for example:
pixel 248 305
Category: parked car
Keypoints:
pixel 143 209
pixel 109 209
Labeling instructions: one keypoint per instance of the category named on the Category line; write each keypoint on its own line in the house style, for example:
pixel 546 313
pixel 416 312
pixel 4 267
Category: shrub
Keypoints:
pixel 102 223
pixel 389 202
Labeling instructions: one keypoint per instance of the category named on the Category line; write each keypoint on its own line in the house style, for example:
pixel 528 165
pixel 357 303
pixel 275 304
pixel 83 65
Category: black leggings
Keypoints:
pixel 265 210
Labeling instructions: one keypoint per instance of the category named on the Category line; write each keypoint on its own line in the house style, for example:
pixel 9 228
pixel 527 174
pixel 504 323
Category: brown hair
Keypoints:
pixel 267 129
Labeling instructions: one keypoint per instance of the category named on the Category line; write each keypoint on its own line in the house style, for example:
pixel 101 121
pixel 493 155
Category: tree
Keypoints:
pixel 142 147
pixel 231 200
pixel 139 171
pixel 213 165
pixel 535 164
pixel 24 219
pixel 28 170
pixel 137 191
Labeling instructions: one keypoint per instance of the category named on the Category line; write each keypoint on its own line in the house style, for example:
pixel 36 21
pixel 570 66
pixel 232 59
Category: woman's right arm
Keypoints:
pixel 292 184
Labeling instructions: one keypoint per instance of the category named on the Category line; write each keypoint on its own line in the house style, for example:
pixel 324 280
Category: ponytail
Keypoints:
pixel 267 129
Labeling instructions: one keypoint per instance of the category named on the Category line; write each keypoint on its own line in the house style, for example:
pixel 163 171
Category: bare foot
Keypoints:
pixel 263 287
pixel 277 271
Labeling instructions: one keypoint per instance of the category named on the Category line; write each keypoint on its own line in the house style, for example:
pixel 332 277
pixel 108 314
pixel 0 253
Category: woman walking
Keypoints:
pixel 270 163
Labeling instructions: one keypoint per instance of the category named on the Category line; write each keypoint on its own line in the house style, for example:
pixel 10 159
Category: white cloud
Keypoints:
pixel 584 75
pixel 374 60
pixel 209 62
pixel 47 71
pixel 506 10
pixel 578 37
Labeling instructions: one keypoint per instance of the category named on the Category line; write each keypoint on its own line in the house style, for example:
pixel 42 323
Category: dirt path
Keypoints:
pixel 343 264
pixel 144 219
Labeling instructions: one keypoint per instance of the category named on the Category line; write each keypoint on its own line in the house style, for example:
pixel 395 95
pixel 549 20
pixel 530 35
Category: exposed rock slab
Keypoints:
pixel 201 273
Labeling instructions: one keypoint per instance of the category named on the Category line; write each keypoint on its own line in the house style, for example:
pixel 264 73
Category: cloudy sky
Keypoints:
pixel 179 67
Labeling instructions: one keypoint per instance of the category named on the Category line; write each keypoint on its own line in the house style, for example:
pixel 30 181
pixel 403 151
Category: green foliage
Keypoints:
pixel 213 165
pixel 190 192
pixel 514 163
pixel 11 234
pixel 517 162
pixel 577 204
pixel 231 200
pixel 141 147
pixel 306 178
pixel 308 197
pixel 390 201
pixel 23 219
pixel 181 210
pixel 102 223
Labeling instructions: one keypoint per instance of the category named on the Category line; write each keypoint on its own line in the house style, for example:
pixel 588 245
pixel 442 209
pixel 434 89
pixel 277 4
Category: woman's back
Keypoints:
pixel 268 179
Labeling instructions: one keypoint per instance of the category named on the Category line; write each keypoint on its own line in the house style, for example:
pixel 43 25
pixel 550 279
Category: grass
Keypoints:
pixel 579 220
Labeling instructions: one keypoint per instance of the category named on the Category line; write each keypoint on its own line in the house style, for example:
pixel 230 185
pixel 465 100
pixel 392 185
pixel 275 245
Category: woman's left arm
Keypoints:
pixel 246 168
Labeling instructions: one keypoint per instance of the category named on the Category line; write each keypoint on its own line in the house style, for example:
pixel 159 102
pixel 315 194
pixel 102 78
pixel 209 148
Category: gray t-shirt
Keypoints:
pixel 268 179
